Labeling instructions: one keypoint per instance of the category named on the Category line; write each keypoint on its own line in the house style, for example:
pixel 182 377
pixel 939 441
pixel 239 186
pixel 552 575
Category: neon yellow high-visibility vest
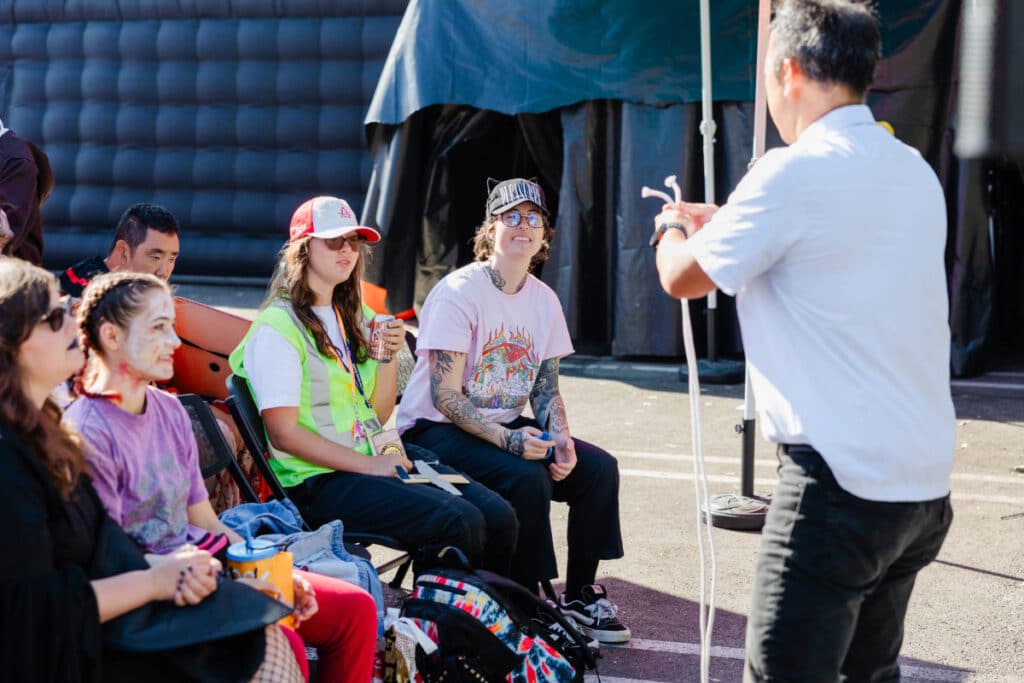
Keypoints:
pixel 326 406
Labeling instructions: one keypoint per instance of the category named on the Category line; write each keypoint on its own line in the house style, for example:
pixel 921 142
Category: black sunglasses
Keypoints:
pixel 55 318
pixel 336 243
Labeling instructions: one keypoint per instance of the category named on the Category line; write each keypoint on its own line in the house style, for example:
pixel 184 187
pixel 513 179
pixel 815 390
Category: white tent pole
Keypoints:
pixel 760 103
pixel 707 124
pixel 760 125
pixel 707 130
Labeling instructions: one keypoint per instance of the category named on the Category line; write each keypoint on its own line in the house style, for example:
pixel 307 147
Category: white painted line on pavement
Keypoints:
pixel 674 369
pixel 974 384
pixel 772 463
pixel 667 369
pixel 684 648
pixel 908 671
pixel 770 483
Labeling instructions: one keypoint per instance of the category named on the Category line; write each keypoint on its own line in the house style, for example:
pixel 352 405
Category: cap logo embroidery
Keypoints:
pixel 345 212
pixel 520 192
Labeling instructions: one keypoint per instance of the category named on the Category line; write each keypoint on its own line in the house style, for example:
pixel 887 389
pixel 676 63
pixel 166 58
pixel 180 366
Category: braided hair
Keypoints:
pixel 110 298
pixel 24 297
pixel 289 283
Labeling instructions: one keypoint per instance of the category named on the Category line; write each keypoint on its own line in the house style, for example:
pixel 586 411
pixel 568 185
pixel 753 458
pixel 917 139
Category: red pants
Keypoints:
pixel 343 630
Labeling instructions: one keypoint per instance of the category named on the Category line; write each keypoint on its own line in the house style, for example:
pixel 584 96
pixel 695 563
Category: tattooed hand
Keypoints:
pixel 514 442
pixel 524 443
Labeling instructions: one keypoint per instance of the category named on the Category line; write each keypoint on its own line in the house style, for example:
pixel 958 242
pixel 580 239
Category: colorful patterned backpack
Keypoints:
pixel 489 628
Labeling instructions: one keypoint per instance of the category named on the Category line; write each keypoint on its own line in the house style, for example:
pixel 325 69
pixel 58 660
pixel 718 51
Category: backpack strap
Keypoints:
pixel 521 595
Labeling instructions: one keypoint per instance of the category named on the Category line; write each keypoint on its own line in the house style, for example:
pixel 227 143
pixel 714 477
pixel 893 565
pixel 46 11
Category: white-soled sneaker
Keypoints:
pixel 563 636
pixel 596 614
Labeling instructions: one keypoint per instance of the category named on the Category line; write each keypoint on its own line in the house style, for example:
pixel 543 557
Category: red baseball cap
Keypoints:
pixel 327 217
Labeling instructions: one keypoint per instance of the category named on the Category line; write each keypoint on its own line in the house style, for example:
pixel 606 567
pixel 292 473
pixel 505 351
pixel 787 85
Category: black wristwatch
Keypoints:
pixel 665 227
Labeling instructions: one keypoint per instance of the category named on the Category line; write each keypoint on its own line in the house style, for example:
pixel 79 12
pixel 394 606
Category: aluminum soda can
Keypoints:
pixel 378 351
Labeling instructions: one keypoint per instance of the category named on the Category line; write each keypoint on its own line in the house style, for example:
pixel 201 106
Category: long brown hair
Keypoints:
pixel 290 283
pixel 483 241
pixel 115 298
pixel 24 299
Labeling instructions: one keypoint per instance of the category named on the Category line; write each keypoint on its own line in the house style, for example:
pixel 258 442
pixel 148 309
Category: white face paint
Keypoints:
pixel 151 340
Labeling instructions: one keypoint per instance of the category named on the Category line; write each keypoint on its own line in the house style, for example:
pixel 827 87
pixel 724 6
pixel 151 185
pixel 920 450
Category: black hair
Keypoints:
pixel 137 219
pixel 834 41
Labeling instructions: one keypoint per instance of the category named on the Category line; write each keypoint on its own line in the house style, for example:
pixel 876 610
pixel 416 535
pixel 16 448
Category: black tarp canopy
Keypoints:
pixel 598 97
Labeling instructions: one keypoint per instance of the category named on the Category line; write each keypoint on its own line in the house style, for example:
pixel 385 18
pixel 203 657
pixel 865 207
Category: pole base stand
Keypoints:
pixel 716 371
pixel 733 511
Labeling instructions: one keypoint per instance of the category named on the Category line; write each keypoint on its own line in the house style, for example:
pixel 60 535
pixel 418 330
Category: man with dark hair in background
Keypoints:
pixel 145 241
pixel 25 183
pixel 834 249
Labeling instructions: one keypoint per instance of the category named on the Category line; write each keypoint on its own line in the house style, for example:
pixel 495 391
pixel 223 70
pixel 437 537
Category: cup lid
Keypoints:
pixel 260 549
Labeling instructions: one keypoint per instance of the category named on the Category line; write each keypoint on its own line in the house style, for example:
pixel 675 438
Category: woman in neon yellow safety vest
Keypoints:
pixel 323 398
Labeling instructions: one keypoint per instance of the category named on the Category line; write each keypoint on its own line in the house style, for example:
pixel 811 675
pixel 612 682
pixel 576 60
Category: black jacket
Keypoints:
pixel 76 277
pixel 49 620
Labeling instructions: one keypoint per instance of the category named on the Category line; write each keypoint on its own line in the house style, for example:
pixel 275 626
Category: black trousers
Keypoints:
pixel 479 522
pixel 591 490
pixel 834 576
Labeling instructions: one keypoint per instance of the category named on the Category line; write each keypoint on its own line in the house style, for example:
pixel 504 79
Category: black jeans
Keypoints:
pixel 591 490
pixel 834 576
pixel 479 522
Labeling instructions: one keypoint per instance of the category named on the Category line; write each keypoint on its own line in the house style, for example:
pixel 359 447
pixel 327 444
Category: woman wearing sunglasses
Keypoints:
pixel 51 610
pixel 323 399
pixel 490 340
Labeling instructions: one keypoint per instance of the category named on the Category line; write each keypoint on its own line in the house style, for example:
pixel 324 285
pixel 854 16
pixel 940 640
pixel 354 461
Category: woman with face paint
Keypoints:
pixel 145 461
pixel 51 611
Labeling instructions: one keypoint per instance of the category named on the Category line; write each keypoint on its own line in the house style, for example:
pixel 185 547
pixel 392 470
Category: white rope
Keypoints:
pixel 700 477
pixel 700 486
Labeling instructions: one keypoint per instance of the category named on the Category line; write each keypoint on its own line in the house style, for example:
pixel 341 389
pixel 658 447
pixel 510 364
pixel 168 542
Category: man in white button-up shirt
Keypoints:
pixel 834 249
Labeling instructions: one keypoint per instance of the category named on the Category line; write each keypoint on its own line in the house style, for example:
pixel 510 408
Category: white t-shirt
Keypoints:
pixel 834 248
pixel 505 338
pixel 275 367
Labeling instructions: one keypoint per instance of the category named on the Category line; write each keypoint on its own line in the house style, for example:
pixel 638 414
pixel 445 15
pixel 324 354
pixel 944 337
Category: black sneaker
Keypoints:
pixel 596 615
pixel 559 631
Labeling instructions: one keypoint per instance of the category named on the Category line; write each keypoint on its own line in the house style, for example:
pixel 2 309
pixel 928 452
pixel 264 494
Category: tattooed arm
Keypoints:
pixel 446 370
pixel 549 410
pixel 546 400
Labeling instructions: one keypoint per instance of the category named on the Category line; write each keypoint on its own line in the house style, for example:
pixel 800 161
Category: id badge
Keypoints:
pixel 387 442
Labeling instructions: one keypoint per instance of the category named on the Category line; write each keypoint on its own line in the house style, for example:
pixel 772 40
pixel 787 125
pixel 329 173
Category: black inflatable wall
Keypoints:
pixel 227 113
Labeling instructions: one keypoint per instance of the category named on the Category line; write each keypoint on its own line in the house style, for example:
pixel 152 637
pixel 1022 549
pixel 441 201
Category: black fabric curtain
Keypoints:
pixel 428 189
pixel 427 194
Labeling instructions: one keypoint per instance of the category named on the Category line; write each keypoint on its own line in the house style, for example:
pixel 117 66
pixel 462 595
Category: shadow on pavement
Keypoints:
pixel 665 646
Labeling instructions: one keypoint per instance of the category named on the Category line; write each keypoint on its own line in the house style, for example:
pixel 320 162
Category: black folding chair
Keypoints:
pixel 247 418
pixel 214 452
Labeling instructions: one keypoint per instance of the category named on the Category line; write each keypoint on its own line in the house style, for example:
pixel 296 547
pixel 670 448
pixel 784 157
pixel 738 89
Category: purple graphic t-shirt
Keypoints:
pixel 145 467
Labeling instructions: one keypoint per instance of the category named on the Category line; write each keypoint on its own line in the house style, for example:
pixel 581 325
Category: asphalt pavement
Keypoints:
pixel 966 617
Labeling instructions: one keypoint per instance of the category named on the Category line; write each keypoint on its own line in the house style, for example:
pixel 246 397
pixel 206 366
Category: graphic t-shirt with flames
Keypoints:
pixel 505 337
